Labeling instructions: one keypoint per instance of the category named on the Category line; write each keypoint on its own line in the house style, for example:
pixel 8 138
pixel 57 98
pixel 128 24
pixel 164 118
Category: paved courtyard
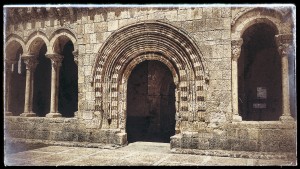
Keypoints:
pixel 135 154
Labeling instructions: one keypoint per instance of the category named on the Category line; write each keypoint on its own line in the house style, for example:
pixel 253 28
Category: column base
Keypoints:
pixel 28 114
pixel 286 118
pixel 236 118
pixel 8 113
pixel 53 115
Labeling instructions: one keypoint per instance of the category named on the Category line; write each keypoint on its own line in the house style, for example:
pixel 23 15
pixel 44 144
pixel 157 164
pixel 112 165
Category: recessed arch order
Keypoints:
pixel 132 44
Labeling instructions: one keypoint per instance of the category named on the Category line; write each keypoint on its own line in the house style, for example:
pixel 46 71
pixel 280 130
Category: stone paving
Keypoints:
pixel 135 154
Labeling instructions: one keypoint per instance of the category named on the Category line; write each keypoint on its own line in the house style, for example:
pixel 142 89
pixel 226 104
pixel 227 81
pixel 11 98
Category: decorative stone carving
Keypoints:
pixel 284 44
pixel 51 12
pixel 30 61
pixel 41 12
pixel 17 15
pixel 236 46
pixel 9 63
pixel 75 54
pixel 56 59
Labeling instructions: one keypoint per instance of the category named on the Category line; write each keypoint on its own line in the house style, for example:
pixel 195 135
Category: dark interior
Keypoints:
pixel 68 83
pixel 18 82
pixel 42 84
pixel 260 89
pixel 150 103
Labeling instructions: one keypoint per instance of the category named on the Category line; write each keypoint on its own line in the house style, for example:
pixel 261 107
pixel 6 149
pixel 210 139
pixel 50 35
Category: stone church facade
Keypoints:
pixel 200 78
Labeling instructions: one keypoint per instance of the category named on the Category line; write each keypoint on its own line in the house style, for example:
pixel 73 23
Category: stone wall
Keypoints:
pixel 59 129
pixel 244 136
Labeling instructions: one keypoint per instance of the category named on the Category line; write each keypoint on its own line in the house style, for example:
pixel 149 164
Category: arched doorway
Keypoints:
pixel 150 103
pixel 68 83
pixel 259 75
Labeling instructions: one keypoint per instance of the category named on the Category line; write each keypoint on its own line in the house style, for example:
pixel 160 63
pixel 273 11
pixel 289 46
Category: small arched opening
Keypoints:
pixel 42 84
pixel 259 75
pixel 68 82
pixel 18 82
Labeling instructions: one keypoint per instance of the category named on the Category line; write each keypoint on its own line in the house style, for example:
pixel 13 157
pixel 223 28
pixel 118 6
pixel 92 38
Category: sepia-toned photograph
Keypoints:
pixel 149 85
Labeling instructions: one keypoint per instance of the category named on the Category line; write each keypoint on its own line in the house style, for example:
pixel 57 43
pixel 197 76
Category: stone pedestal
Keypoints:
pixel 236 118
pixel 53 115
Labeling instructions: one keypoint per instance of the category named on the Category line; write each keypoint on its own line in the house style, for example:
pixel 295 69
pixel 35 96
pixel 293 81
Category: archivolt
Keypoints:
pixel 151 40
pixel 60 37
pixel 36 40
pixel 248 17
pixel 13 42
pixel 144 37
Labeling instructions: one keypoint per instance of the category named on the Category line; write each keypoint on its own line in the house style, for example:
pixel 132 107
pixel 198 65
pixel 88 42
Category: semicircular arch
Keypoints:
pixel 59 38
pixel 35 41
pixel 13 42
pixel 246 18
pixel 132 44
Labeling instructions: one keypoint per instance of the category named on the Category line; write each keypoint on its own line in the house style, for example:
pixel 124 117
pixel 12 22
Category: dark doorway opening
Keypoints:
pixel 68 83
pixel 260 89
pixel 150 103
pixel 42 84
pixel 18 82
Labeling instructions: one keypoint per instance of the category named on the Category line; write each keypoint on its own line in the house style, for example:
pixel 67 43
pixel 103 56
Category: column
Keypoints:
pixel 284 44
pixel 31 62
pixel 235 54
pixel 8 66
pixel 56 60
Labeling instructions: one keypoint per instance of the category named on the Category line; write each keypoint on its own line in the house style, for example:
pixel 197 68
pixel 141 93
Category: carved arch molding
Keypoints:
pixel 151 40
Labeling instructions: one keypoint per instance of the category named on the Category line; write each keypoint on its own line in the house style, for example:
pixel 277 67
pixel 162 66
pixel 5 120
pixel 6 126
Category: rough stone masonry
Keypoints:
pixel 198 77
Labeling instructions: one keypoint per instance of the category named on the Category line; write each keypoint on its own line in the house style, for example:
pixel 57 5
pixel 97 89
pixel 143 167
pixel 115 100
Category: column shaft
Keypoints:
pixel 235 106
pixel 285 49
pixel 285 87
pixel 56 63
pixel 31 62
pixel 235 52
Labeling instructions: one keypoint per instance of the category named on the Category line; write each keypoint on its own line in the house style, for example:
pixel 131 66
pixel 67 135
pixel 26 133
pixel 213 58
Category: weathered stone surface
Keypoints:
pixel 201 47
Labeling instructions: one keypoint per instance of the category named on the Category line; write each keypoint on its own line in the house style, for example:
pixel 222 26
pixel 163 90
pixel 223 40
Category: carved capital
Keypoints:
pixel 30 61
pixel 75 54
pixel 284 44
pixel 41 12
pixel 8 64
pixel 56 59
pixel 10 61
pixel 51 12
pixel 236 46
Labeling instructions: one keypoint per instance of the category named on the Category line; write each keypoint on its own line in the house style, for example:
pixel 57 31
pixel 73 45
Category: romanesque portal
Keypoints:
pixel 199 78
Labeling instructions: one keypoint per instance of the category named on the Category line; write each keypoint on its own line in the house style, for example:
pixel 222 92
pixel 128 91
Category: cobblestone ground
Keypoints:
pixel 135 154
